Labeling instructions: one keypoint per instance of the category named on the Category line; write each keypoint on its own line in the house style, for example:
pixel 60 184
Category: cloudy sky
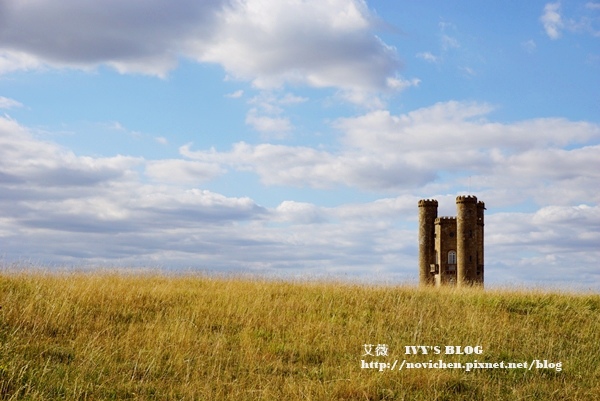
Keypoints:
pixel 294 138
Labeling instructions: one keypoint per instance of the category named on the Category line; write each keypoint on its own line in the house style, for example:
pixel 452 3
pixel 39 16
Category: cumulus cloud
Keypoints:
pixel 318 43
pixel 110 215
pixel 306 166
pixel 299 212
pixel 26 159
pixel 141 36
pixel 65 208
pixel 383 152
pixel 181 171
pixel 552 20
pixel 48 192
pixel 457 126
pixel 11 60
pixel 59 206
pixel 545 243
pixel 584 20
pixel 323 44
pixel 278 126
pixel 549 164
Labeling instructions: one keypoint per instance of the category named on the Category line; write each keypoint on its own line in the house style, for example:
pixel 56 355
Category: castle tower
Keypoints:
pixel 467 241
pixel 427 216
pixel 451 248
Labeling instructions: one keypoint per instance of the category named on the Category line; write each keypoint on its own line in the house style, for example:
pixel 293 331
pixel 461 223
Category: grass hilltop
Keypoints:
pixel 104 336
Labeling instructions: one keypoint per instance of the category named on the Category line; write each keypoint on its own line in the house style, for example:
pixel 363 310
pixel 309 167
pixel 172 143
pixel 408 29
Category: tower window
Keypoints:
pixel 452 257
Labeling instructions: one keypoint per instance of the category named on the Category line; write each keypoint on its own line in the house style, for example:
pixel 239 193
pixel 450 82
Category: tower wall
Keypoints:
pixel 480 263
pixel 467 231
pixel 445 241
pixel 427 215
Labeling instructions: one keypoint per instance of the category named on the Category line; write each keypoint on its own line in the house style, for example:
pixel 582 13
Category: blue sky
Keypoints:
pixel 295 138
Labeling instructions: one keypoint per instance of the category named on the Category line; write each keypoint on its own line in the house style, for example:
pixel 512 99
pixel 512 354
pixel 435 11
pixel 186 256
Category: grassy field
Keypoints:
pixel 141 336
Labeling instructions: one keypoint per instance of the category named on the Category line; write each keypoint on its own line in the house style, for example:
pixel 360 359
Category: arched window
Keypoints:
pixel 452 257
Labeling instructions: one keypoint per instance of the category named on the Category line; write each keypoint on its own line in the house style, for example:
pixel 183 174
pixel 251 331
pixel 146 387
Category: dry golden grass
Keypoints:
pixel 103 336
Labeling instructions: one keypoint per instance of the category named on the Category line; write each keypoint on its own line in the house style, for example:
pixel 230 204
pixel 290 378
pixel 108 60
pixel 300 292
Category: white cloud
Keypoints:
pixel 122 221
pixel 235 95
pixel 290 98
pixel 529 45
pixel 543 159
pixel 59 206
pixel 299 212
pixel 400 84
pixel 317 43
pixel 6 103
pixel 64 208
pixel 448 42
pixel 450 48
pixel 565 215
pixel 323 44
pixel 305 166
pixel 592 5
pixel 427 56
pixel 266 115
pixel 555 243
pixel 279 126
pixel 385 209
pixel 579 21
pixel 140 36
pixel 552 20
pixel 26 159
pixel 181 171
pixel 11 60
pixel 468 71
pixel 458 126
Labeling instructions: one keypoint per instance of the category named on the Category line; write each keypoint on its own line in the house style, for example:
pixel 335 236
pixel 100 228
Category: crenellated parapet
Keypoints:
pixel 480 212
pixel 466 199
pixel 428 203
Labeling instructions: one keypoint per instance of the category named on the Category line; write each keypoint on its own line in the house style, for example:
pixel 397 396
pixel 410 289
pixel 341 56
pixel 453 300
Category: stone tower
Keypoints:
pixel 451 248
pixel 427 216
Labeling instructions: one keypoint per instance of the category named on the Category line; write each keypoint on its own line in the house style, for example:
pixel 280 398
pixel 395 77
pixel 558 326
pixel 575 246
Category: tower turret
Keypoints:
pixel 427 215
pixel 467 231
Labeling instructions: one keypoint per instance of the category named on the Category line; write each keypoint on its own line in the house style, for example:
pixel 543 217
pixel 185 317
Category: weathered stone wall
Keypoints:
pixel 480 263
pixel 445 241
pixel 466 242
pixel 427 216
